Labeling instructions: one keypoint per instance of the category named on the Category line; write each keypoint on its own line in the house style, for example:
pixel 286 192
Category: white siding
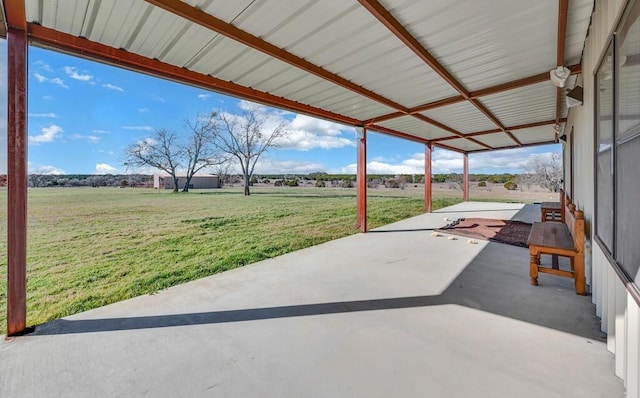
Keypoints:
pixel 620 314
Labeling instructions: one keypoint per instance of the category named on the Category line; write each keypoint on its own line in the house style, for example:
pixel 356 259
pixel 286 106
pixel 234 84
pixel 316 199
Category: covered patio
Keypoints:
pixel 395 312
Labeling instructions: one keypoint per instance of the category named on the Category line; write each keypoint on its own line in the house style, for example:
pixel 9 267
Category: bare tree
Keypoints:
pixel 165 151
pixel 243 138
pixel 222 170
pixel 160 151
pixel 545 171
pixel 199 151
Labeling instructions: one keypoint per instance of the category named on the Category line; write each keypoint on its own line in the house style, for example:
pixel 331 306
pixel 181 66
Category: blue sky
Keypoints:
pixel 83 114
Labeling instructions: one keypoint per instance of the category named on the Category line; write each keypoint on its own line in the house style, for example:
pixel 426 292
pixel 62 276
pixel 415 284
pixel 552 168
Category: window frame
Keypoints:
pixel 629 17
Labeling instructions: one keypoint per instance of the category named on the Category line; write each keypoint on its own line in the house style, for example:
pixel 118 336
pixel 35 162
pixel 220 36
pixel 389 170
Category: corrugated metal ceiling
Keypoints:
pixel 412 126
pixel 358 61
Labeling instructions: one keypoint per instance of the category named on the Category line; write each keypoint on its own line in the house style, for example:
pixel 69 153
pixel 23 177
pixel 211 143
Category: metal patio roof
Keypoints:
pixel 467 75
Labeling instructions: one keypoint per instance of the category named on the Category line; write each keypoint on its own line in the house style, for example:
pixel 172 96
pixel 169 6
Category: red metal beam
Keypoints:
pixel 494 119
pixel 511 146
pixel 437 104
pixel 527 81
pixel 511 128
pixel 61 41
pixel 448 129
pixel 428 199
pixel 15 14
pixel 17 180
pixel 465 177
pixel 383 118
pixel 388 131
pixel 428 121
pixel 208 21
pixel 361 181
pixel 450 148
pixel 389 21
pixel 418 109
pixel 563 12
pixel 96 51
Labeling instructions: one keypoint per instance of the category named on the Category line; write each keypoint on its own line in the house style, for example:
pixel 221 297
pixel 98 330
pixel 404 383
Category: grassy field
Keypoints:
pixel 90 247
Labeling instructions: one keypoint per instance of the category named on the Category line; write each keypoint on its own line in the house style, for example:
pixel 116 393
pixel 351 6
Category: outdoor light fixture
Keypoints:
pixel 574 97
pixel 559 76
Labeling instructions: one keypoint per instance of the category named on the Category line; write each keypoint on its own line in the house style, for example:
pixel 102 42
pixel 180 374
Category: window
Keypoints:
pixel 618 146
pixel 627 153
pixel 604 148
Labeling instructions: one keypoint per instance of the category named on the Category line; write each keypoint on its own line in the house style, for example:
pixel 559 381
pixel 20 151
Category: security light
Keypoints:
pixel 559 76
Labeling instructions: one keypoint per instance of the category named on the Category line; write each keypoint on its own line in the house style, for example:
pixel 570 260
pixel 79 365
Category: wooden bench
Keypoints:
pixel 553 211
pixel 564 239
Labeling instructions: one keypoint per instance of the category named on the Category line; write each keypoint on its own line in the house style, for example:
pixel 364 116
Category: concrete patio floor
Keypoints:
pixel 392 313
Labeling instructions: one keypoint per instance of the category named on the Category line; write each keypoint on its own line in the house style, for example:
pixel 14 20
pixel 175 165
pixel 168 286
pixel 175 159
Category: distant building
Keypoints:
pixel 197 182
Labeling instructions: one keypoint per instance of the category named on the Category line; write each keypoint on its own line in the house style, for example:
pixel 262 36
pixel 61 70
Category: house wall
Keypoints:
pixel 619 312
pixel 197 182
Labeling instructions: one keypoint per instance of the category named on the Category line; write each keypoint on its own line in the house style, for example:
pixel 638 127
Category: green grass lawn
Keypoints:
pixel 90 247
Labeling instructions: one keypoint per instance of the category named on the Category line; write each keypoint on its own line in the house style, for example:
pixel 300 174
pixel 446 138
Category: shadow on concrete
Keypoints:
pixel 528 213
pixel 496 281
pixel 469 211
pixel 378 230
pixel 62 326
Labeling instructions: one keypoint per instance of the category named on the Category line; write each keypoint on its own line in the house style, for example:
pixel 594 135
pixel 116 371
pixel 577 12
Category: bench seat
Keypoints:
pixel 565 239
pixel 551 235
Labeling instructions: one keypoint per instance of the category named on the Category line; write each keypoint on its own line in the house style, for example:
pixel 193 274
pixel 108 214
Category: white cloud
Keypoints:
pixel 204 97
pixel 374 167
pixel 506 159
pixel 58 82
pixel 138 128
pixel 304 133
pixel 90 138
pixel 444 162
pixel 72 72
pixel 107 152
pixel 101 131
pixel 248 105
pixel 50 114
pixel 48 134
pixel 39 77
pixel 43 66
pixel 317 126
pixel 104 168
pixel 157 98
pixel 47 97
pixel 44 169
pixel 113 87
pixel 304 141
pixel 143 110
pixel 272 166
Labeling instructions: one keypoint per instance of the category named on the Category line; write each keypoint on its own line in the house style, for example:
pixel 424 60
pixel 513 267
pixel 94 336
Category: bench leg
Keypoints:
pixel 533 269
pixel 572 262
pixel 579 274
